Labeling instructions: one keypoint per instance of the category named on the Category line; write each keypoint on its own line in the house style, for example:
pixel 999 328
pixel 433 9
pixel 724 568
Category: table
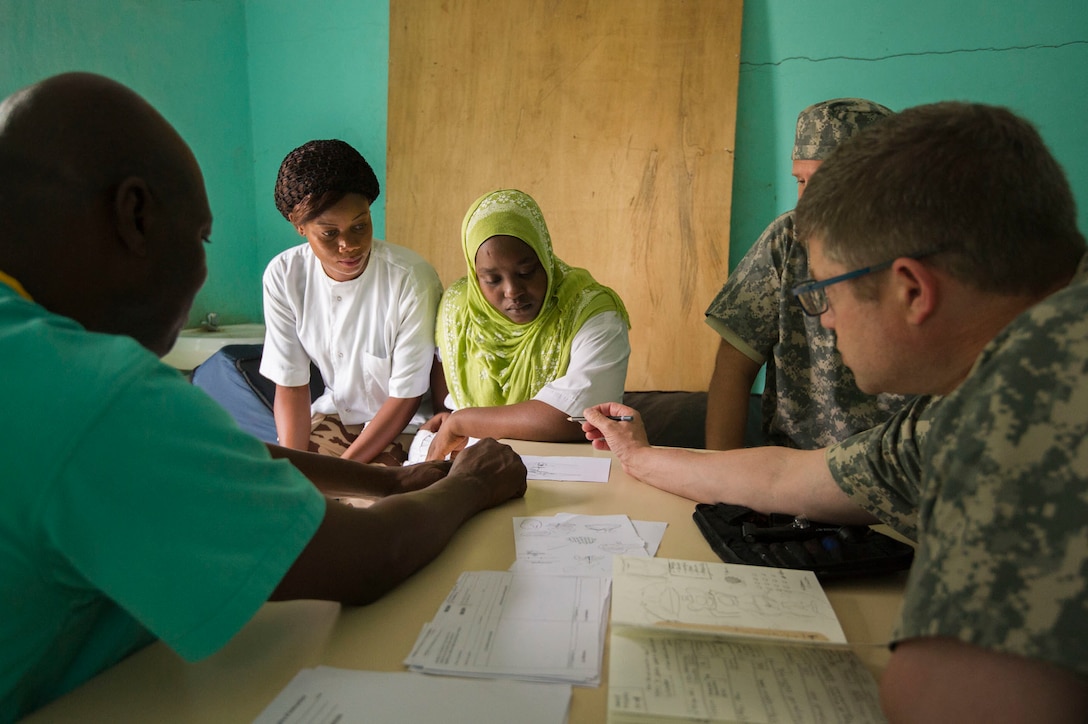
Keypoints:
pixel 238 682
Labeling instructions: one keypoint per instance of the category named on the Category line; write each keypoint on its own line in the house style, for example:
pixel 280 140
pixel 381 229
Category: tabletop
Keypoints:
pixel 239 681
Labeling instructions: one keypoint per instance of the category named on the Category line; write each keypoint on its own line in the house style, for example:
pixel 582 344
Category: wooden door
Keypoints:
pixel 617 116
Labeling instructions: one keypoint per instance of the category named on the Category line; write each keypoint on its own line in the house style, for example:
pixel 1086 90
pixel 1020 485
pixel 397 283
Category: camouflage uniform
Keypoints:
pixel 890 454
pixel 810 399
pixel 999 473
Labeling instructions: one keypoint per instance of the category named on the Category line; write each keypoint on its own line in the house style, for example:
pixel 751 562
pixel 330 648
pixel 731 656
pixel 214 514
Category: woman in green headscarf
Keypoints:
pixel 525 339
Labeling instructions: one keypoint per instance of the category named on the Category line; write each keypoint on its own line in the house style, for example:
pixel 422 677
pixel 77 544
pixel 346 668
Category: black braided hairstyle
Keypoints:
pixel 317 174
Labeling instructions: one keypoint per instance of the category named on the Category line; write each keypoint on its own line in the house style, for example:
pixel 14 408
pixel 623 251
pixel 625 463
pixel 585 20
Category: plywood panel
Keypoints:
pixel 618 116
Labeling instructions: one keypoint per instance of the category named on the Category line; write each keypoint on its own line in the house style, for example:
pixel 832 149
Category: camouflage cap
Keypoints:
pixel 823 126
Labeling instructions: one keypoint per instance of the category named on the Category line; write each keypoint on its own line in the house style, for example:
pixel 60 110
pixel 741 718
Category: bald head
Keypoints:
pixel 99 196
pixel 77 134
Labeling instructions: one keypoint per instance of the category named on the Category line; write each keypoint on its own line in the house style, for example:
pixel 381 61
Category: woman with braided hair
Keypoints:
pixel 362 310
pixel 525 339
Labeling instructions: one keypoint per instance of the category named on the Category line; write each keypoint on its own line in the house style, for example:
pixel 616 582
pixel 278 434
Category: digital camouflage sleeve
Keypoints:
pixel 1002 559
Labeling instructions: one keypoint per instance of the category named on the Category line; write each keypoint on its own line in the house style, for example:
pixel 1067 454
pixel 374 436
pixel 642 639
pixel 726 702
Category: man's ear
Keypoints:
pixel 917 289
pixel 131 206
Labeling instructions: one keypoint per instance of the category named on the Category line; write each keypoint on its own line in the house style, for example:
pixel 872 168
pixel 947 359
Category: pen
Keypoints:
pixel 617 418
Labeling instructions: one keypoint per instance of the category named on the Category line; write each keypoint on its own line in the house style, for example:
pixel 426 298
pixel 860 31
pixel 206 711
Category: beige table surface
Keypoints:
pixel 238 682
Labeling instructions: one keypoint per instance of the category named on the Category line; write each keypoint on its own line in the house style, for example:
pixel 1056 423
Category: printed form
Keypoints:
pixel 327 695
pixel 521 626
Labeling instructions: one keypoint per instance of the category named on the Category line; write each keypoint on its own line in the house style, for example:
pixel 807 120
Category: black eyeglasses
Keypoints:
pixel 810 293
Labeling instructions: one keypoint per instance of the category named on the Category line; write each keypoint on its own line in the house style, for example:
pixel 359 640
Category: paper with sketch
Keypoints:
pixel 674 677
pixel 509 625
pixel 719 642
pixel 580 545
pixel 721 598
pixel 573 468
pixel 327 695
pixel 538 467
pixel 421 444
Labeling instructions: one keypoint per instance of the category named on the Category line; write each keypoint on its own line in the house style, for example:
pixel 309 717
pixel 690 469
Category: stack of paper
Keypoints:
pixel 545 619
pixel 339 696
pixel 721 642
pixel 510 625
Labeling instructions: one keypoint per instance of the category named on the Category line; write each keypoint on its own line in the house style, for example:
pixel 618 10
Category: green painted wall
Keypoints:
pixel 314 74
pixel 188 59
pixel 1028 56
pixel 245 81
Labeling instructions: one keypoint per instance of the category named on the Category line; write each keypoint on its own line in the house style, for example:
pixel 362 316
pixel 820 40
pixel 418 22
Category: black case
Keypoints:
pixel 741 535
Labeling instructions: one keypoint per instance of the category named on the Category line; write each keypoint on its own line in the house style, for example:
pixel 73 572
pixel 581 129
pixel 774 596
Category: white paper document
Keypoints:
pixel 509 625
pixel 734 599
pixel 721 642
pixel 421 445
pixel 582 545
pixel 327 695
pixel 574 468
pixel 661 678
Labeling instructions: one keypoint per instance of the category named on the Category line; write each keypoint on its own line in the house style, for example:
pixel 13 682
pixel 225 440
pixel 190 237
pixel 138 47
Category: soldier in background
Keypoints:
pixel 945 255
pixel 809 398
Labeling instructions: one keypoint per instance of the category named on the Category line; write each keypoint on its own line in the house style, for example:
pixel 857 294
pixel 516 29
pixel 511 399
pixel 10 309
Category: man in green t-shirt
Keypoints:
pixel 131 506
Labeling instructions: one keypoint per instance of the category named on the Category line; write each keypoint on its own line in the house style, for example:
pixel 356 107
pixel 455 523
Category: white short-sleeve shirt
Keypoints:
pixel 597 371
pixel 371 337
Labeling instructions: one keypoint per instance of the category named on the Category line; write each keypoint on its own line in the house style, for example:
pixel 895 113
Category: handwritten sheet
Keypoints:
pixel 508 625
pixel 538 467
pixel 572 468
pixel 658 678
pixel 582 545
pixel 722 642
pixel 327 695
pixel 754 601
pixel 421 445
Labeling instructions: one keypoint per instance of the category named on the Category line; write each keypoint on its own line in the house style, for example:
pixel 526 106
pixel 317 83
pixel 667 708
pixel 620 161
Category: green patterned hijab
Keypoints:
pixel 489 359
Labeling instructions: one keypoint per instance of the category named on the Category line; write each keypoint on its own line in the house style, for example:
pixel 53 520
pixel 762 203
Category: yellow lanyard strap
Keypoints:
pixel 14 284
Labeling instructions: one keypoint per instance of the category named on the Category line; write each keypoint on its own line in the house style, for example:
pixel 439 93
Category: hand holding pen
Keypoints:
pixel 615 427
